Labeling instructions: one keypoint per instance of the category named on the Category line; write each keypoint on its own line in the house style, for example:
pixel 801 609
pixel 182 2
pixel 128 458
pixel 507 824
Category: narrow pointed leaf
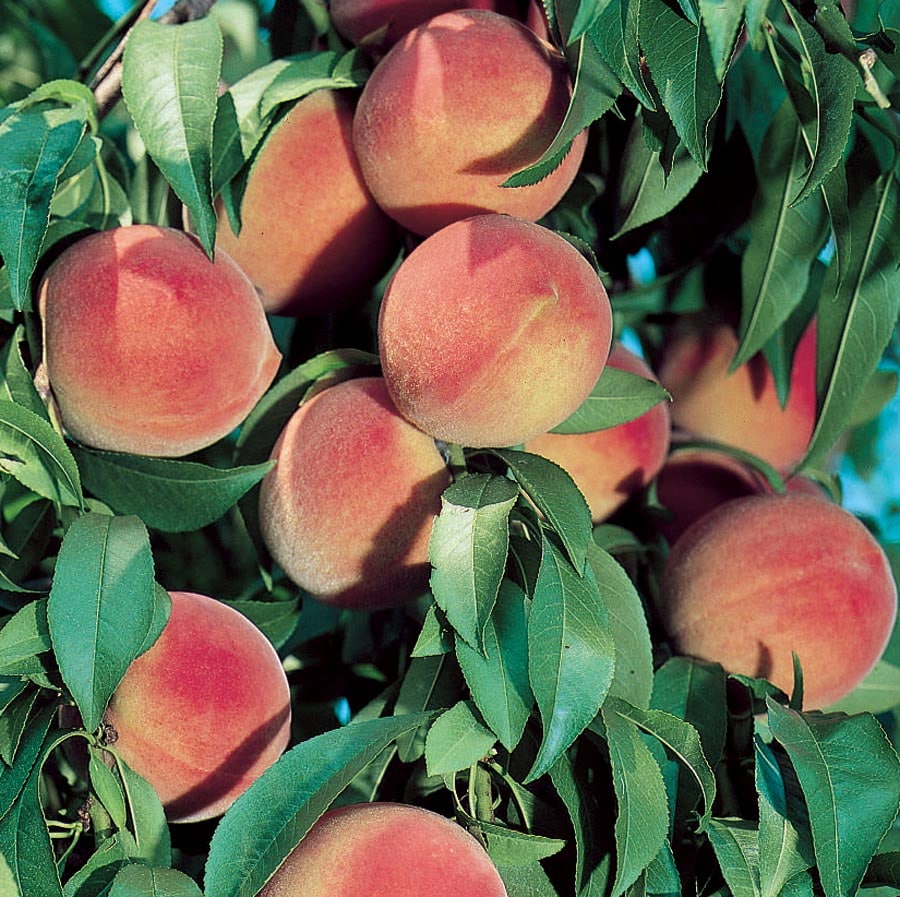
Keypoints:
pixel 616 38
pixel 170 80
pixel 101 607
pixel 468 548
pixel 736 845
pixel 571 654
pixel 722 20
pixel 269 819
pixel 24 635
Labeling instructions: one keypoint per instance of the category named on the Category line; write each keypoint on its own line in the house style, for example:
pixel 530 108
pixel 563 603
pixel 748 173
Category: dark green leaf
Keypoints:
pixel 468 548
pixel 884 870
pixel 681 64
pixel 571 654
pixel 107 786
pixel 37 456
pixel 35 146
pixel 23 637
pixel 642 808
pixel 268 820
pixel 18 382
pixel 101 607
pixel 168 495
pixel 14 777
pixel 170 80
pixel 556 497
pixel 498 678
pixel 851 804
pixel 456 740
pixel 17 700
pixel 616 38
pixel 722 20
pixel 784 238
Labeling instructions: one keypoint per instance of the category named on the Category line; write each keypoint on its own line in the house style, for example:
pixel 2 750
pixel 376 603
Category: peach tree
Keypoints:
pixel 740 159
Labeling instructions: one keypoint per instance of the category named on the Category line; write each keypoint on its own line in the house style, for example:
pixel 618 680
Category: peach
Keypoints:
pixel 312 238
pixel 205 711
pixel 455 108
pixel 761 577
pixel 347 510
pixel 610 466
pixel 150 347
pixel 742 408
pixel 493 331
pixel 386 850
pixel 694 481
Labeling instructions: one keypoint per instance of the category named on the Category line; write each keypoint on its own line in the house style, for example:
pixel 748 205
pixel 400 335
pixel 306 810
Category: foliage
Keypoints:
pixel 749 151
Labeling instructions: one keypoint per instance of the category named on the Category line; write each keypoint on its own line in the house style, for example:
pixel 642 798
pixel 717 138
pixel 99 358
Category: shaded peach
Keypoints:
pixel 149 347
pixel 205 711
pixel 693 481
pixel 312 238
pixel 760 577
pixel 740 409
pixel 610 466
pixel 348 508
pixel 455 108
pixel 386 850
pixel 492 331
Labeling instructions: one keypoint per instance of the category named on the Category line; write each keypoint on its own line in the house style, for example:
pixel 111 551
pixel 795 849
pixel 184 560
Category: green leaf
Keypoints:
pixel 642 808
pixel 498 677
pixel 170 80
pixel 35 146
pixel 24 636
pixel 269 819
pixel 435 636
pixel 617 398
pixel 851 804
pixel 633 674
pixel 107 786
pixel 830 81
pixel 468 548
pixel 736 845
pixel 101 607
pixel 168 495
pixel 884 870
pixel 137 880
pixel 646 191
pixel 556 497
pixel 13 779
pixel 879 692
pixel 151 837
pixel 722 20
pixel 37 456
pixel 616 38
pixel 857 317
pixel 8 885
pixel 17 701
pixel 456 740
pixel 100 868
pixel 682 740
pixel 571 654
pixel 681 64
pixel 785 846
pixel 18 382
pixel 784 238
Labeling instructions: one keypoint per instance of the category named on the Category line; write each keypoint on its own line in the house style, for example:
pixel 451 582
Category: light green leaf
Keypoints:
pixel 138 880
pixel 736 845
pixel 571 654
pixel 456 740
pixel 101 607
pixel 170 81
pixel 24 635
pixel 879 692
pixel 468 548
pixel 269 819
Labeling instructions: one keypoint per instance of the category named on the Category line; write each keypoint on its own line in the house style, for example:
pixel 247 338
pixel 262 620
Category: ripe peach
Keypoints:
pixel 760 577
pixel 306 211
pixel 742 408
pixel 205 711
pixel 348 508
pixel 149 347
pixel 386 850
pixel 492 331
pixel 455 108
pixel 609 466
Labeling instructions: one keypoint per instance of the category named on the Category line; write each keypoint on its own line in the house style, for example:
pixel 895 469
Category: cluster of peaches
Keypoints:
pixel 492 330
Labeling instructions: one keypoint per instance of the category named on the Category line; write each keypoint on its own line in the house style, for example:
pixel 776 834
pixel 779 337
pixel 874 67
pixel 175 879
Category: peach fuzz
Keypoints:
pixel 760 577
pixel 205 711
pixel 347 510
pixel 455 108
pixel 306 212
pixel 150 347
pixel 740 409
pixel 610 466
pixel 493 331
pixel 386 850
